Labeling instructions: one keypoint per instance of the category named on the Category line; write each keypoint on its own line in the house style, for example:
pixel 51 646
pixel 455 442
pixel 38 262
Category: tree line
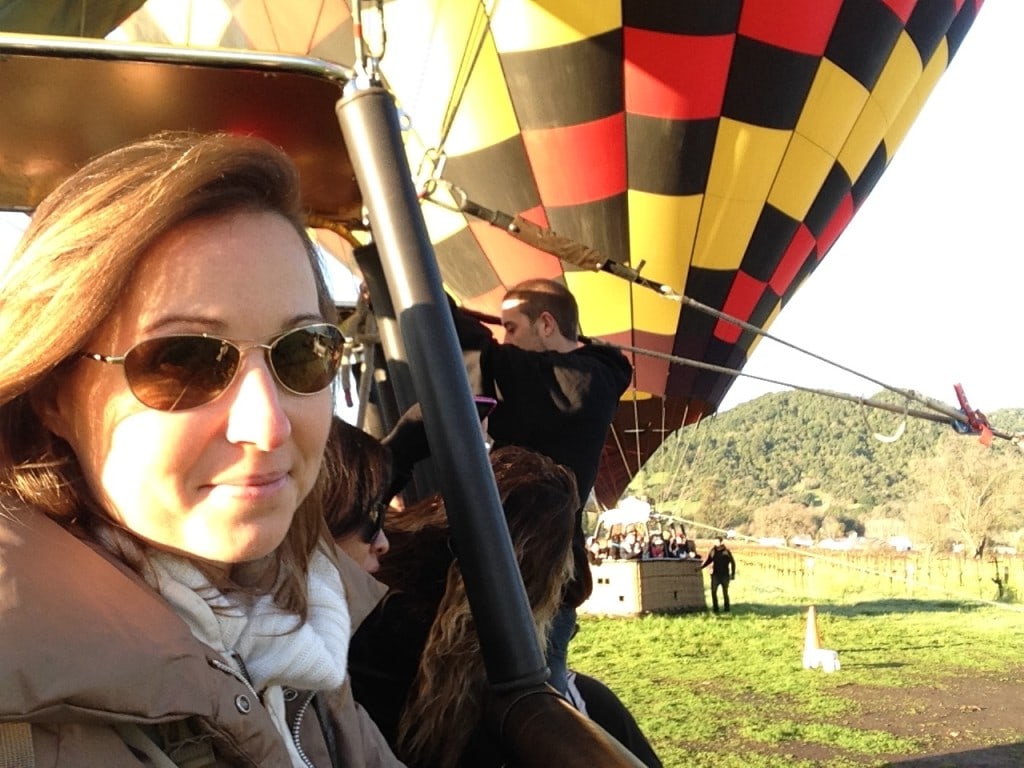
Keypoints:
pixel 800 463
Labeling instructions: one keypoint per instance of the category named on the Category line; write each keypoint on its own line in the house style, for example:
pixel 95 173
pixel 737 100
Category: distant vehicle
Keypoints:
pixel 801 541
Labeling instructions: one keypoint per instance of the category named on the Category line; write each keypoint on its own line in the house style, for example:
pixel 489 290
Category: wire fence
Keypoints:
pixel 839 575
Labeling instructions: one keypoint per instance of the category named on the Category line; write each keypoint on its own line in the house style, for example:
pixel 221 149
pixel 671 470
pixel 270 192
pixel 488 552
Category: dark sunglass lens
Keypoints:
pixel 175 373
pixel 374 522
pixel 307 359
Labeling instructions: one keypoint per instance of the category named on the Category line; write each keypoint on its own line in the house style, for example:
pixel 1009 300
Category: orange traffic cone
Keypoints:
pixel 812 640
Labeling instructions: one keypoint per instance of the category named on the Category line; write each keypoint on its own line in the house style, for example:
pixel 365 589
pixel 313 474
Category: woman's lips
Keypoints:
pixel 251 487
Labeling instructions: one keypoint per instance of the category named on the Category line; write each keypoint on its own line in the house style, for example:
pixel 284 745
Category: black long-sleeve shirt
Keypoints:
pixel 559 404
pixel 721 561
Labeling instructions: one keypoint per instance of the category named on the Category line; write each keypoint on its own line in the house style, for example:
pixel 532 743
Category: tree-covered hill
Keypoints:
pixel 800 447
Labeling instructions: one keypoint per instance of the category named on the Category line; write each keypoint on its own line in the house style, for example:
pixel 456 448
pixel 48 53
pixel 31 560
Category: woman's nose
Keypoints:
pixel 257 415
pixel 381 544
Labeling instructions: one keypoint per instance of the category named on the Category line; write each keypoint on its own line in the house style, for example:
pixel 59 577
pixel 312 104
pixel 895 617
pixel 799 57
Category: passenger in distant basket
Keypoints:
pixel 656 547
pixel 687 548
pixel 723 570
pixel 632 547
pixel 615 546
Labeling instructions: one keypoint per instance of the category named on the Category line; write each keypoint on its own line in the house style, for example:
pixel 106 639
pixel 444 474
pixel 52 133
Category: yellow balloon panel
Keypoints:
pixel 521 25
pixel 745 160
pixel 604 300
pixel 487 116
pixel 803 169
pixel 441 222
pixel 897 80
pixel 654 313
pixel 833 104
pixel 425 65
pixel 915 101
pixel 724 232
pixel 743 169
pixel 661 233
pixel 864 139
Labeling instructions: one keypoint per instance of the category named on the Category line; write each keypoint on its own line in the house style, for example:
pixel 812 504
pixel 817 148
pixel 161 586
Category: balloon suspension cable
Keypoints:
pixel 564 248
pixel 581 255
pixel 467 63
pixel 367 59
pixel 951 416
pixel 935 405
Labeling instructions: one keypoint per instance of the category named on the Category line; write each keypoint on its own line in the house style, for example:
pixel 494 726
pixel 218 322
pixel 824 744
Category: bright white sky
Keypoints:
pixel 924 289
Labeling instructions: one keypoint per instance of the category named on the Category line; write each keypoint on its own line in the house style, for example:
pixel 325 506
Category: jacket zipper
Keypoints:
pixel 218 664
pixel 297 727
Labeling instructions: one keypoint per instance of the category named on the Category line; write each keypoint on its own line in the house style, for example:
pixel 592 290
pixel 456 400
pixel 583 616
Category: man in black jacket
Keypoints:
pixel 723 570
pixel 556 396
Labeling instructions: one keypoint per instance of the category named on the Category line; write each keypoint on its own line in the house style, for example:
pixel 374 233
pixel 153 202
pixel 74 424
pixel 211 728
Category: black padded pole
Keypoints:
pixel 512 656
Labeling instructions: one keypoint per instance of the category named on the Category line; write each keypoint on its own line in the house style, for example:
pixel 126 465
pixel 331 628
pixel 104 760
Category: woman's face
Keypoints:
pixel 221 481
pixel 367 555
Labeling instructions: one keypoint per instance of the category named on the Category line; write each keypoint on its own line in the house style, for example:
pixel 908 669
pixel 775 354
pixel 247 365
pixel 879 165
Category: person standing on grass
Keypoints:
pixel 723 570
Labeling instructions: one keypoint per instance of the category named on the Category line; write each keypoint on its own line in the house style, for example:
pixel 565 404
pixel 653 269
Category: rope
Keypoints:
pixel 940 413
pixel 622 451
pixel 910 395
pixel 366 60
pixel 566 249
pixel 467 63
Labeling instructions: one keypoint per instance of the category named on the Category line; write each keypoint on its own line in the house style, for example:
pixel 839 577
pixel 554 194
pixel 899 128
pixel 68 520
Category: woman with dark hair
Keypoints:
pixel 169 592
pixel 415 662
pixel 356 501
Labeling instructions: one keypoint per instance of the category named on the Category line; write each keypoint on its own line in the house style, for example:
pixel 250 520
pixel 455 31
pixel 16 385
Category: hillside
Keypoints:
pixel 799 447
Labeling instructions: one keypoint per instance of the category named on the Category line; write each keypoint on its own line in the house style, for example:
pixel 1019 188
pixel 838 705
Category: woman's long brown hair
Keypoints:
pixel 539 499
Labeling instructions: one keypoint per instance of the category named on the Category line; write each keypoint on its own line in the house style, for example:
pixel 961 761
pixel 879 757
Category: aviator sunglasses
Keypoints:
pixel 175 373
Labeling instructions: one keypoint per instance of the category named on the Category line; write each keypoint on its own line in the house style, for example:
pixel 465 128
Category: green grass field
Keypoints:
pixel 919 676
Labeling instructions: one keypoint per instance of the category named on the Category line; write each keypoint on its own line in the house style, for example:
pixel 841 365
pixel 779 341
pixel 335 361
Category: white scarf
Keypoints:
pixel 273 648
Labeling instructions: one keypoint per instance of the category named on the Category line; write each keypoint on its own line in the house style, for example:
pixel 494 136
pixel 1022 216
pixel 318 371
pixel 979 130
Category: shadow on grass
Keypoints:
pixel 866 608
pixel 1005 756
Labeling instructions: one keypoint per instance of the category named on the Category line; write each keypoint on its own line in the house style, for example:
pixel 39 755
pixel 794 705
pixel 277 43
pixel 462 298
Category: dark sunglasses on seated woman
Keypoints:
pixel 175 373
pixel 374 523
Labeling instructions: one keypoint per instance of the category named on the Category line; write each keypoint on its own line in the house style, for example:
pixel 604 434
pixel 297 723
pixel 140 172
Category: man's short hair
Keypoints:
pixel 543 295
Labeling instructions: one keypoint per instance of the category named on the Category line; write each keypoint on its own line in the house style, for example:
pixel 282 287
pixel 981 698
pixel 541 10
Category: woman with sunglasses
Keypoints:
pixel 169 593
pixel 355 503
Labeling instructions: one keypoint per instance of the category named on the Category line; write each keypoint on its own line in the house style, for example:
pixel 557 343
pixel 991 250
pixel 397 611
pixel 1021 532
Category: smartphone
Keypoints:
pixel 484 405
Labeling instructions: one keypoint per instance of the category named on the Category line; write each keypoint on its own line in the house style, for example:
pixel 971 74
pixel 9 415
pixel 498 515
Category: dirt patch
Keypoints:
pixel 961 722
pixel 957 722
